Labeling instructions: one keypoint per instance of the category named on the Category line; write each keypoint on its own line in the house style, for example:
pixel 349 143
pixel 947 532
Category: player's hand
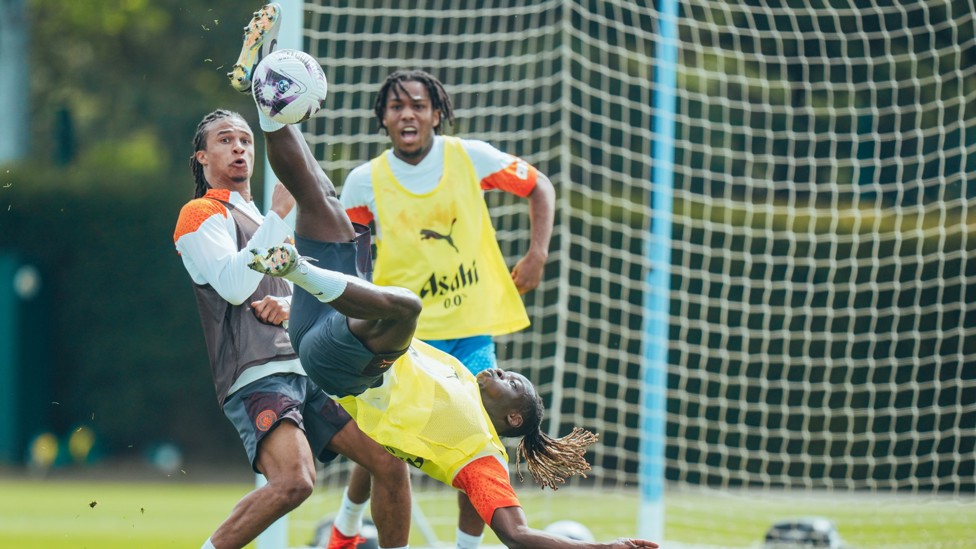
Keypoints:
pixel 623 543
pixel 272 310
pixel 528 273
pixel 282 201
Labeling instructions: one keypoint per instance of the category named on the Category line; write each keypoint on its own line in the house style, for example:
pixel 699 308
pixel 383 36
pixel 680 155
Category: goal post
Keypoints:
pixel 657 298
pixel 290 36
pixel 819 329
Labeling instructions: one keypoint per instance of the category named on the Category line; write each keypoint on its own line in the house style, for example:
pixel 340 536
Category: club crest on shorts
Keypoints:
pixel 265 420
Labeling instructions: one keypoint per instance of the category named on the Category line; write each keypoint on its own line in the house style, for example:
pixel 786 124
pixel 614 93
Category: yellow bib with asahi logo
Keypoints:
pixel 441 245
pixel 428 412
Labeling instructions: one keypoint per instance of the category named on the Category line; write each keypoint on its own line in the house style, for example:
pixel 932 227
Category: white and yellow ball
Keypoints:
pixel 289 86
pixel 570 529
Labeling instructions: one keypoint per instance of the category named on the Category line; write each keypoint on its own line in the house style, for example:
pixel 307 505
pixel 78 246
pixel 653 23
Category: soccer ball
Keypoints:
pixel 804 532
pixel 570 529
pixel 289 86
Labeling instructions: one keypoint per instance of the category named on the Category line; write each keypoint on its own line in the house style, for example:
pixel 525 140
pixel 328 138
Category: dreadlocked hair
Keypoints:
pixel 200 144
pixel 549 460
pixel 439 98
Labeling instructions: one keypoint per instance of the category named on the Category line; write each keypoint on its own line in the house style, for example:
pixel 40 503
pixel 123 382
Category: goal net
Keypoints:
pixel 821 307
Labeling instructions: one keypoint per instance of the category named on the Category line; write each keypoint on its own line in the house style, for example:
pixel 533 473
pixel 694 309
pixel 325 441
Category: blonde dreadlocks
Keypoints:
pixel 552 460
pixel 549 460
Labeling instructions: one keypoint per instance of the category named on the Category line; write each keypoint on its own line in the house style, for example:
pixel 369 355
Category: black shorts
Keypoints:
pixel 331 355
pixel 258 407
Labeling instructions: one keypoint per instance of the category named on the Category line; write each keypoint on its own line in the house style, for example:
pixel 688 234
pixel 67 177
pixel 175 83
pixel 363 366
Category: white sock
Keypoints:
pixel 324 284
pixel 349 520
pixel 467 541
pixel 208 544
pixel 267 124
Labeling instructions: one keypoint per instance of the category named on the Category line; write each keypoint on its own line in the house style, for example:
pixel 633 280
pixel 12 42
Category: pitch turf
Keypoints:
pixel 45 514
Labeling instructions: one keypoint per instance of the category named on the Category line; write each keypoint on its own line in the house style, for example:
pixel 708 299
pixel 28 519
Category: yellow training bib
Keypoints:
pixel 441 245
pixel 427 412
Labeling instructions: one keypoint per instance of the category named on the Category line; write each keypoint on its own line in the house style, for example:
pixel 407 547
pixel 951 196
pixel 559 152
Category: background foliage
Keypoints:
pixel 117 88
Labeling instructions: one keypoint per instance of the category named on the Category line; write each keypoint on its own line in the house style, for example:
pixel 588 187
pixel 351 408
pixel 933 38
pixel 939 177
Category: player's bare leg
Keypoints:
pixel 320 215
pixel 384 318
pixel 286 460
pixel 391 499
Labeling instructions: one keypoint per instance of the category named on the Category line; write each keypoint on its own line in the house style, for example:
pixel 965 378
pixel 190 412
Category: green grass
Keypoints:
pixel 107 515
pixel 47 514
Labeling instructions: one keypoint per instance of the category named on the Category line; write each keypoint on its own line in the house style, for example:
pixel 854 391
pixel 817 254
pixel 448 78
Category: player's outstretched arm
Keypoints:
pixel 621 543
pixel 511 527
pixel 528 272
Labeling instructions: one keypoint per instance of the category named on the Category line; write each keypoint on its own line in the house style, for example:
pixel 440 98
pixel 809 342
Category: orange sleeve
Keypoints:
pixel 194 213
pixel 487 485
pixel 517 178
pixel 360 214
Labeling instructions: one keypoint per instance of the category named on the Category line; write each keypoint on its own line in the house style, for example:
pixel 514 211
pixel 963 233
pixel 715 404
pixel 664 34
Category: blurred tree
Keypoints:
pixel 126 68
pixel 117 88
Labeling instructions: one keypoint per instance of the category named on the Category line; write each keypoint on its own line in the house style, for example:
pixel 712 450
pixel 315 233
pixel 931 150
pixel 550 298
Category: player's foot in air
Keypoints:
pixel 275 261
pixel 339 541
pixel 260 39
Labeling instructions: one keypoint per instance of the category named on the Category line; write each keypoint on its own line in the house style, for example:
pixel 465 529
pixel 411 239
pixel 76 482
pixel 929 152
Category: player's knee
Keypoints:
pixel 296 490
pixel 406 303
pixel 389 469
pixel 382 465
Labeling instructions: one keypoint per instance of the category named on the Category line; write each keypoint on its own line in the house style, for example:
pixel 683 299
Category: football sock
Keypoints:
pixel 267 124
pixel 208 545
pixel 323 284
pixel 349 520
pixel 467 541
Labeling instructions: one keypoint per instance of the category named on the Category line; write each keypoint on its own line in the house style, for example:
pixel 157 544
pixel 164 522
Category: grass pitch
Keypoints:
pixel 55 514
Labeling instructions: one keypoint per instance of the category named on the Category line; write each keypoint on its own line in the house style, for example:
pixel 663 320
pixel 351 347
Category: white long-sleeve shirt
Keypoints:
pixel 206 239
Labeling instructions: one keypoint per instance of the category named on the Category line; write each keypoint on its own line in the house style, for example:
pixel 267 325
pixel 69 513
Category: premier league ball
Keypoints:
pixel 570 529
pixel 289 86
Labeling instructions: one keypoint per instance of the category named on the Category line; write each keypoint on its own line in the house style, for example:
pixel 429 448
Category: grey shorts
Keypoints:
pixel 258 407
pixel 332 356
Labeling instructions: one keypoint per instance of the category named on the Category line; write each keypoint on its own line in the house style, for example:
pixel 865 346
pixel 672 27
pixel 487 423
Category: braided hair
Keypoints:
pixel 200 144
pixel 440 100
pixel 550 460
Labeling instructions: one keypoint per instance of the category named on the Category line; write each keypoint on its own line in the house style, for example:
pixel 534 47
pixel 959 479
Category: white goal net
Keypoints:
pixel 821 308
